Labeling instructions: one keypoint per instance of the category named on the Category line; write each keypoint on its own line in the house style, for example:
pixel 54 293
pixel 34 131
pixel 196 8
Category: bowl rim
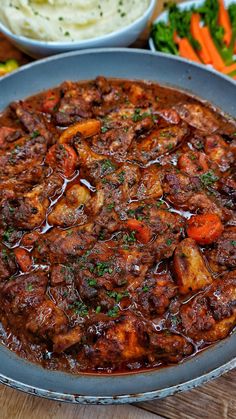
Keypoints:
pixel 221 357
pixel 79 43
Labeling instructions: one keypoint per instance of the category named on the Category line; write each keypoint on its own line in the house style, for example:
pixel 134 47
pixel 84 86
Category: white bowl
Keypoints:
pixel 186 5
pixel 120 38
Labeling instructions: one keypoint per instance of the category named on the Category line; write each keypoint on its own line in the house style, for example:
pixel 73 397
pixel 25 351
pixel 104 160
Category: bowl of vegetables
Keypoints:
pixel 200 31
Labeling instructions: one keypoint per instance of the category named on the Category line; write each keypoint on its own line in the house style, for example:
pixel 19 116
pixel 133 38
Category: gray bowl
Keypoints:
pixel 130 387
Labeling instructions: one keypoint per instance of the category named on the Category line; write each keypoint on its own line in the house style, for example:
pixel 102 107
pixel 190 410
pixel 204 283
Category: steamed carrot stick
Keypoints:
pixel 176 38
pixel 195 29
pixel 224 21
pixel 216 59
pixel 229 69
pixel 186 50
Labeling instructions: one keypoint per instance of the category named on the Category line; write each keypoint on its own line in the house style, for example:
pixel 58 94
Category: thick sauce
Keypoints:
pixel 117 226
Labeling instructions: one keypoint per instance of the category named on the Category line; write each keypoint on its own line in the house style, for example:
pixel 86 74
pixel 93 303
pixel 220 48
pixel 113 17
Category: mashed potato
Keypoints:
pixel 69 20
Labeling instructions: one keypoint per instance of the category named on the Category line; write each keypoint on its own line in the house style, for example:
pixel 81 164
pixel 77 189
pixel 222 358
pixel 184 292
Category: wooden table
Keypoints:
pixel 215 400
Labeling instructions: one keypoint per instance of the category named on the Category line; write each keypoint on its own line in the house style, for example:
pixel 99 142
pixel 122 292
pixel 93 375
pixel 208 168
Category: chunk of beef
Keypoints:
pixel 8 135
pixel 115 141
pixel 33 122
pixel 178 188
pixel 22 295
pixel 157 143
pixel 210 316
pixel 73 106
pixel 47 320
pixel 153 297
pixel 169 347
pixel 124 340
pixel 219 152
pixel 70 209
pixel 223 254
pixel 65 340
pixel 7 263
pixel 59 246
pixel 29 210
pixel 198 116
pixel 26 153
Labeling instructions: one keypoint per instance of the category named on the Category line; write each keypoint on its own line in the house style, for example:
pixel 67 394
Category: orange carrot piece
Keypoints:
pixel 142 230
pixel 86 128
pixel 217 61
pixel 23 259
pixel 186 50
pixel 204 228
pixel 229 69
pixel 176 38
pixel 195 29
pixel 224 21
pixel 63 157
pixel 50 102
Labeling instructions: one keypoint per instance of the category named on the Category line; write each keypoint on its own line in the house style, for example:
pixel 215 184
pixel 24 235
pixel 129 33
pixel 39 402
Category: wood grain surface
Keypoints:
pixel 215 400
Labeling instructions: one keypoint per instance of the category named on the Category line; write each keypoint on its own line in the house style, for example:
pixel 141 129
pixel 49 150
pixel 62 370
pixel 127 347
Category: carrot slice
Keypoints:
pixel 216 59
pixel 30 238
pixel 229 69
pixel 23 259
pixel 186 50
pixel 143 232
pixel 63 157
pixel 224 21
pixel 195 29
pixel 86 128
pixel 176 38
pixel 51 100
pixel 204 228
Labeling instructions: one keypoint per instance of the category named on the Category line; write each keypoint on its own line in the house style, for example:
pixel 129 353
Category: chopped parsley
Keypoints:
pixel 35 134
pixel 4 254
pixel 137 116
pixel 175 320
pixel 145 288
pixel 233 242
pixel 79 308
pixel 29 287
pixel 208 178
pixel 160 203
pixel 98 309
pixel 129 238
pixel 101 268
pixel 104 129
pixel 92 282
pixel 107 166
pixel 131 213
pixel 117 295
pixel 121 177
pixel 169 242
pixel 113 312
pixel 110 206
pixel 7 234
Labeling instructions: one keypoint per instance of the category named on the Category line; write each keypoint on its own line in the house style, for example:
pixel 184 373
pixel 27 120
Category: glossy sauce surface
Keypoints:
pixel 117 226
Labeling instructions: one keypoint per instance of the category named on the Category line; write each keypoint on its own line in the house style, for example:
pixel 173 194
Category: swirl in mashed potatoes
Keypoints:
pixel 69 20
